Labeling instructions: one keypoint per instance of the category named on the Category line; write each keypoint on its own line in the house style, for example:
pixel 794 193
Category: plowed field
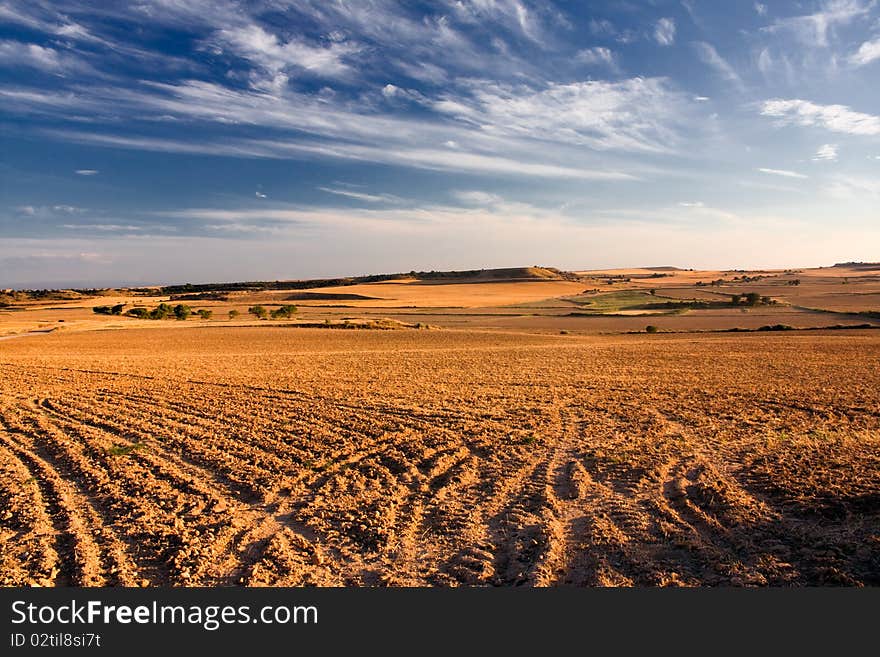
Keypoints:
pixel 281 456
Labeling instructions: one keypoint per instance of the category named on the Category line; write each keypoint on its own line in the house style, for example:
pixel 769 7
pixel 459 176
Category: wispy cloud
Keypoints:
pixel 664 32
pixel 761 9
pixel 854 188
pixel 362 196
pixel 267 51
pixel 31 55
pixel 781 172
pixel 639 114
pixel 837 118
pixel 813 29
pixel 707 53
pixel 868 52
pixel 826 153
pixel 87 172
pixel 477 197
pixel 597 56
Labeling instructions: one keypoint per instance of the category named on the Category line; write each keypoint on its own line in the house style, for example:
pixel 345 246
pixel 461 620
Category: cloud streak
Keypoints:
pixel 709 56
pixel 781 172
pixel 836 118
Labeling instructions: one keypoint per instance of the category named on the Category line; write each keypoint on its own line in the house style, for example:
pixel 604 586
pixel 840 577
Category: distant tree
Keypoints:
pixel 101 310
pixel 182 311
pixel 206 314
pixel 753 299
pixel 233 314
pixel 766 301
pixel 736 299
pixel 795 281
pixel 162 311
pixel 650 328
pixel 139 313
pixel 117 309
pixel 258 311
pixel 284 312
pixel 652 291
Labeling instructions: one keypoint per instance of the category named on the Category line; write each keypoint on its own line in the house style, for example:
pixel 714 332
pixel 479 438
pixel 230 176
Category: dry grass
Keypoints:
pixel 275 456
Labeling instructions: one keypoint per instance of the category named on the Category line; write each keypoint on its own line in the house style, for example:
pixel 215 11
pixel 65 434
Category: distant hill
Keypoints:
pixel 863 266
pixel 469 275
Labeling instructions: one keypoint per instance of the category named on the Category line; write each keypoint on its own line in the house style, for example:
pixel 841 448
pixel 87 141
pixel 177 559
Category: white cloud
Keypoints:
pixel 87 172
pixel 692 204
pixel 602 27
pixel 513 14
pixel 710 57
pixel 597 55
pixel 476 197
pixel 264 49
pixel 782 172
pixel 16 53
pixel 422 158
pixel 761 9
pixel 826 152
pixel 664 32
pixel 260 194
pixel 853 188
pixel 837 118
pixel 868 52
pixel 701 99
pixel 638 114
pixel 362 196
pixel 813 29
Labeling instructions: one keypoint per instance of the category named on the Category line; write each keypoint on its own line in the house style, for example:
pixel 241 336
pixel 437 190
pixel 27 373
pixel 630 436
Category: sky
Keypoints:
pixel 161 141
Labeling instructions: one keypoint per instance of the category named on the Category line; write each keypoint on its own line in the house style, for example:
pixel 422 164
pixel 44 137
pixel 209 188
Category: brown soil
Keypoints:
pixel 257 456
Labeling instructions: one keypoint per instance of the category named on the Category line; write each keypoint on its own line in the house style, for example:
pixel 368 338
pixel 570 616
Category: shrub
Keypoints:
pixel 182 311
pixel 139 313
pixel 284 312
pixel 117 309
pixel 162 311
pixel 258 311
pixel 233 314
pixel 206 314
pixel 101 310
pixel 753 299
pixel 650 328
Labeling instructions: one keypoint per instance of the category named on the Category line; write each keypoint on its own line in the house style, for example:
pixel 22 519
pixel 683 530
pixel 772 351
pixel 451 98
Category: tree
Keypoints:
pixel 181 311
pixel 258 311
pixel 650 328
pixel 206 314
pixel 101 310
pixel 753 299
pixel 139 313
pixel 162 311
pixel 736 299
pixel 233 314
pixel 117 309
pixel 284 312
pixel 766 301
pixel 652 292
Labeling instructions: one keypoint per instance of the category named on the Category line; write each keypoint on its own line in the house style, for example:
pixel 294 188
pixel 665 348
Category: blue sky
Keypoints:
pixel 183 140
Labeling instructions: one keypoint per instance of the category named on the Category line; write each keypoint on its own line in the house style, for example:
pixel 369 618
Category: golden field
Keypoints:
pixel 488 450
